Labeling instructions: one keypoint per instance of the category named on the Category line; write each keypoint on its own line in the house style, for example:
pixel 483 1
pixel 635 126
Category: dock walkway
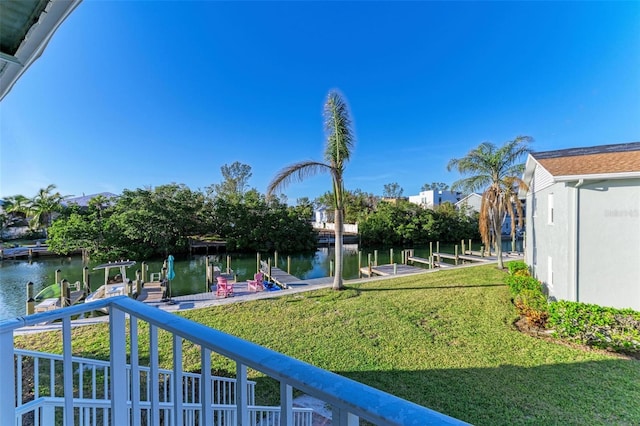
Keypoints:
pixel 278 276
pixel 152 292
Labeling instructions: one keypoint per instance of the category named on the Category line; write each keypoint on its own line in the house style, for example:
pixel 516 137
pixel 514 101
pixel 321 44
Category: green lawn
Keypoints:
pixel 443 340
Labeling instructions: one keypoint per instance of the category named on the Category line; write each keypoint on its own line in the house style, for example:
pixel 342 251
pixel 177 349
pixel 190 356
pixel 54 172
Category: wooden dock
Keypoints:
pixel 387 270
pixel 152 291
pixel 277 275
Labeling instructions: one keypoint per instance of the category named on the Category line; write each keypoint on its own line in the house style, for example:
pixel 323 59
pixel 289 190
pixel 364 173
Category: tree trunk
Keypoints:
pixel 337 280
pixel 497 233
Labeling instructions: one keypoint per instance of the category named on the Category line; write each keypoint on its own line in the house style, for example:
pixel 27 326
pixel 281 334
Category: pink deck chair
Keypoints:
pixel 224 288
pixel 256 284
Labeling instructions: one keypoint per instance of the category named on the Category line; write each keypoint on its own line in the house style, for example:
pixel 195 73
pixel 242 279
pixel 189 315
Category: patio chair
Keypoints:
pixel 224 288
pixel 256 284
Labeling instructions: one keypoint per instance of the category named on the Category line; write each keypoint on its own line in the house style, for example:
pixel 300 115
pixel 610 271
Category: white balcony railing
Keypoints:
pixel 69 390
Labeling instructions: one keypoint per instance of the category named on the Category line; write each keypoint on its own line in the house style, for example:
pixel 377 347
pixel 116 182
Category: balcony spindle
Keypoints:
pixel 178 389
pixel 135 371
pixel 241 395
pixel 153 382
pixel 205 386
pixel 341 417
pixel 118 358
pixel 67 368
pixel 286 404
pixel 7 378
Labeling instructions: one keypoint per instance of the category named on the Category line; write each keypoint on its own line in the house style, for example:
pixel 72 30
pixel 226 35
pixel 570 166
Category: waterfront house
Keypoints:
pixel 583 223
pixel 471 203
pixel 433 198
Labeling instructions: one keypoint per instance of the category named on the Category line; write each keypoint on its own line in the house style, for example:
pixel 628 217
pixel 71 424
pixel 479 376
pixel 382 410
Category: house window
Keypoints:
pixel 550 209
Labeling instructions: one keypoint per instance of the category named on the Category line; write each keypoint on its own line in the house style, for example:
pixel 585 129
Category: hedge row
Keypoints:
pixel 593 325
pixel 597 326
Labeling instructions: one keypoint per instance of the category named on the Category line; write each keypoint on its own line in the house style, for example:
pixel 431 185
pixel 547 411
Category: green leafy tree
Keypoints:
pixel 235 180
pixel 392 190
pixel 496 171
pixel 339 144
pixel 434 186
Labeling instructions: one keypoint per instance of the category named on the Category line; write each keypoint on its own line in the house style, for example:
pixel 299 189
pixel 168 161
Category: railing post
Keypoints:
pixel 341 417
pixel 178 387
pixel 205 386
pixel 286 404
pixel 67 371
pixel 242 403
pixel 154 381
pixel 7 378
pixel 118 360
pixel 135 367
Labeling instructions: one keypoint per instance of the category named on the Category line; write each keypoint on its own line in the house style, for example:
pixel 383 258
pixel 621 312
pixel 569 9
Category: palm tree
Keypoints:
pixel 42 206
pixel 497 171
pixel 339 144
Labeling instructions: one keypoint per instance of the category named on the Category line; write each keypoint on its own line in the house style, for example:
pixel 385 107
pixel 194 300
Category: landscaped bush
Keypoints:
pixel 518 282
pixel 597 326
pixel 532 304
pixel 518 267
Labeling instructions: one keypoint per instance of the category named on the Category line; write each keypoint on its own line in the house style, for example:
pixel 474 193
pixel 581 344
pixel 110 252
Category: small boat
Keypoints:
pixel 113 286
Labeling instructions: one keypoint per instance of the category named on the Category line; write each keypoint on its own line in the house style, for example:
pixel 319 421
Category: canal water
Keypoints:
pixel 190 271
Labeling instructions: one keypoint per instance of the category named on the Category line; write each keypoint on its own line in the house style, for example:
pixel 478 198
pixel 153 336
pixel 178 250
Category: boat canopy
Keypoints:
pixel 125 263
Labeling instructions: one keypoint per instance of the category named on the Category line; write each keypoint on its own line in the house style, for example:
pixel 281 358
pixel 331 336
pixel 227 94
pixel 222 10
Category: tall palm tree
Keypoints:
pixel 497 172
pixel 43 205
pixel 339 144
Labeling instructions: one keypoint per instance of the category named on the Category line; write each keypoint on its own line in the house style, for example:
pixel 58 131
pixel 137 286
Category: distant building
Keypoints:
pixel 583 223
pixel 471 203
pixel 433 198
pixel 83 201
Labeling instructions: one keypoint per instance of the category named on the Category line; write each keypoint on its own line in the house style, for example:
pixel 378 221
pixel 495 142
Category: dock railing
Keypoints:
pixel 123 404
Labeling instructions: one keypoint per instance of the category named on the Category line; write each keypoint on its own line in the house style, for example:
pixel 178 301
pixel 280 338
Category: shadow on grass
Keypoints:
pixel 594 392
pixel 390 288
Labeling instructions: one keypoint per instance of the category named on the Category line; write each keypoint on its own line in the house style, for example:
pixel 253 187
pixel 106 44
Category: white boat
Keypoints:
pixel 117 285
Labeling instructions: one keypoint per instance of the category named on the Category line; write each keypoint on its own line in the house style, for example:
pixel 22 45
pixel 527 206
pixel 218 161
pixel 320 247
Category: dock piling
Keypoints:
pixel 57 276
pixel 289 265
pixel 228 264
pixel 86 281
pixel 65 295
pixel 30 300
pixel 391 255
pixel 375 257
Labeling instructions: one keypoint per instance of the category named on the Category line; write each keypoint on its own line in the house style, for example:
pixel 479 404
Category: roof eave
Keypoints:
pixel 598 176
pixel 37 38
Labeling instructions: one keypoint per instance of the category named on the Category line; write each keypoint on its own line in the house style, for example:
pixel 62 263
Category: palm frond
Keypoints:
pixel 337 124
pixel 296 172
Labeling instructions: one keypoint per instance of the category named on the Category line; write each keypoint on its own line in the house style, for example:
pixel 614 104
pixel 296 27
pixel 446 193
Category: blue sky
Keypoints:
pixel 130 94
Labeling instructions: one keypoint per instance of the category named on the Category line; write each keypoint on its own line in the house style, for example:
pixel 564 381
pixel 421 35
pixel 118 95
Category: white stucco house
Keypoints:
pixel 583 223
pixel 433 198
pixel 471 203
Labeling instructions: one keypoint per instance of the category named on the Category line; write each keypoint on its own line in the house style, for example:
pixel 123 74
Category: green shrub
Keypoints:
pixel 518 266
pixel 532 304
pixel 518 282
pixel 597 326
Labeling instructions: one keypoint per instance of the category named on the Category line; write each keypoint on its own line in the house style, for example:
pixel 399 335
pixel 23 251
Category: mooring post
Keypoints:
pixel 456 253
pixel 368 257
pixel 289 265
pixel 138 282
pixel 463 247
pixel 390 255
pixel 395 269
pixel 228 264
pixel 275 258
pixel 370 270
pixel 65 299
pixel 164 273
pixel 30 299
pixel 86 280
pixel 431 265
pixel 257 262
pixel 375 257
pixel 143 268
pixel 207 273
pixel 57 276
pixel 30 253
pixel 481 251
pixel 470 250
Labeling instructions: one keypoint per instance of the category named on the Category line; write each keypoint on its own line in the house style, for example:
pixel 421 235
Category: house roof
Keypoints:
pixel 84 200
pixel 618 161
pixel 26 26
pixel 603 159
